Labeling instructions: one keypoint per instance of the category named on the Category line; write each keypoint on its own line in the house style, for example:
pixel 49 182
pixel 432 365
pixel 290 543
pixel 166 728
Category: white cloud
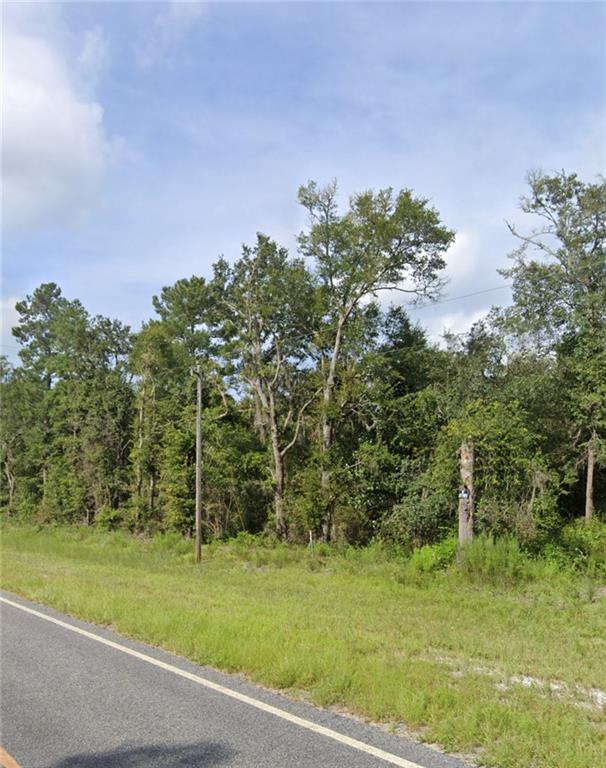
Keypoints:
pixel 454 322
pixel 93 58
pixel 54 146
pixel 463 255
pixel 8 319
pixel 168 29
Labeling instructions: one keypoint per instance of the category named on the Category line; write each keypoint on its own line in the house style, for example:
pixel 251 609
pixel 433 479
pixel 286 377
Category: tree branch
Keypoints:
pixel 302 410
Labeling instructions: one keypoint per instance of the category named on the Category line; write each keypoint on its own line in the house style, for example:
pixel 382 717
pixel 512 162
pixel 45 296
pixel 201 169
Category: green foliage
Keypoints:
pixel 65 493
pixel 499 562
pixel 382 240
pixel 434 557
pixel 68 450
pixel 185 310
pixel 234 470
pixel 176 489
pixel 514 490
pixel 584 544
pixel 108 519
pixel 420 517
pixel 560 303
pixel 267 303
pixel 323 412
pixel 372 482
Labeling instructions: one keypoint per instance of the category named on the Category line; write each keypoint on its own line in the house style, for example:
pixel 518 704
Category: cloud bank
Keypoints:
pixel 55 149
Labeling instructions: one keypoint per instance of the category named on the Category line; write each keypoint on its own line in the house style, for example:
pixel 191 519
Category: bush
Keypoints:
pixel 494 562
pixel 584 545
pixel 243 541
pixel 108 519
pixel 419 519
pixel 434 557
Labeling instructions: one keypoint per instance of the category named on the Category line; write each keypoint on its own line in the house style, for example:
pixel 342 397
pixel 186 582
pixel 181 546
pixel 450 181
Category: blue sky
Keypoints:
pixel 143 140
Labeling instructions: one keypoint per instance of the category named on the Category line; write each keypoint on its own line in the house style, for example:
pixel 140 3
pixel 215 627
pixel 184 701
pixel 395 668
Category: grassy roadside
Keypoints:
pixel 511 675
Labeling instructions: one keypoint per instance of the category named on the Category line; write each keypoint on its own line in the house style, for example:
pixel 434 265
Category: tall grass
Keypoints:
pixel 499 562
pixel 440 648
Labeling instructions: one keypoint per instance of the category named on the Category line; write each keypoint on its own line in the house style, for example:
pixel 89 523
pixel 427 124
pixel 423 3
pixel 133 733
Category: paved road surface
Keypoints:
pixel 93 699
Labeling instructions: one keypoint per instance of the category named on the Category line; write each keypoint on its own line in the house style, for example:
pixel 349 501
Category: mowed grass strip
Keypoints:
pixel 448 660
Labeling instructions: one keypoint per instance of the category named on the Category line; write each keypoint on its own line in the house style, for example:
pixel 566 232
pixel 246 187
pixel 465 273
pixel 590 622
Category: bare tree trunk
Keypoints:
pixel 328 434
pixel 327 512
pixel 466 500
pixel 266 422
pixel 151 492
pixel 281 528
pixel 11 489
pixel 259 421
pixel 11 480
pixel 325 478
pixel 591 456
pixel 278 471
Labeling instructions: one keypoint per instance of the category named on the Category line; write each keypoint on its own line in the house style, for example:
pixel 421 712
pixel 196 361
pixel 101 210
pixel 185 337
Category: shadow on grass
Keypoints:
pixel 201 755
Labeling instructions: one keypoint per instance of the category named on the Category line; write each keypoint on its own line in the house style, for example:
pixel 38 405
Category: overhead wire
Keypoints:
pixel 413 308
pixel 409 308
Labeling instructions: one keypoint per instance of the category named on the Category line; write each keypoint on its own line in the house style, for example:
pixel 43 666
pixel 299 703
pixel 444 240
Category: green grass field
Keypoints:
pixel 508 676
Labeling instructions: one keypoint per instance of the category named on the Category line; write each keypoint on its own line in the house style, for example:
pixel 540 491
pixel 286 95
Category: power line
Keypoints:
pixel 409 308
pixel 457 298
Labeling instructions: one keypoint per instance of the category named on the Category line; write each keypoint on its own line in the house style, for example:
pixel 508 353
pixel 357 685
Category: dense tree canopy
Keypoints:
pixel 322 411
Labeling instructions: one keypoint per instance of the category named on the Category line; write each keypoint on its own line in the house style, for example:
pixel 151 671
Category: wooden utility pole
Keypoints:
pixel 198 522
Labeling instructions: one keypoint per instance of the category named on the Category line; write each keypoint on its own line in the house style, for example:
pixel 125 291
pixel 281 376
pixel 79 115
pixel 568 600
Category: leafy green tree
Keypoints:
pixel 43 331
pixel 397 424
pixel 38 330
pixel 343 415
pixel 234 472
pixel 560 301
pixel 22 440
pixel 514 489
pixel 81 422
pixel 159 363
pixel 188 309
pixel 268 302
pixel 163 452
pixel 383 242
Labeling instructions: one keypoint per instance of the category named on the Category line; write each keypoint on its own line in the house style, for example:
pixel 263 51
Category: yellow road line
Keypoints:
pixel 6 761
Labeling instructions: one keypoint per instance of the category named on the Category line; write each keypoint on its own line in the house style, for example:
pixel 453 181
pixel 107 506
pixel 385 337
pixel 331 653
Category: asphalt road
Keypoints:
pixel 93 699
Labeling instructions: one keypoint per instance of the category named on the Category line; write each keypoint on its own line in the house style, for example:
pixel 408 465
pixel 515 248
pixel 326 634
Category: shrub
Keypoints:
pixel 434 557
pixel 108 519
pixel 494 562
pixel 420 518
pixel 584 544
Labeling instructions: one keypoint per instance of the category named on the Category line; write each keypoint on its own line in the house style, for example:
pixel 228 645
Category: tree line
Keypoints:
pixel 322 411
